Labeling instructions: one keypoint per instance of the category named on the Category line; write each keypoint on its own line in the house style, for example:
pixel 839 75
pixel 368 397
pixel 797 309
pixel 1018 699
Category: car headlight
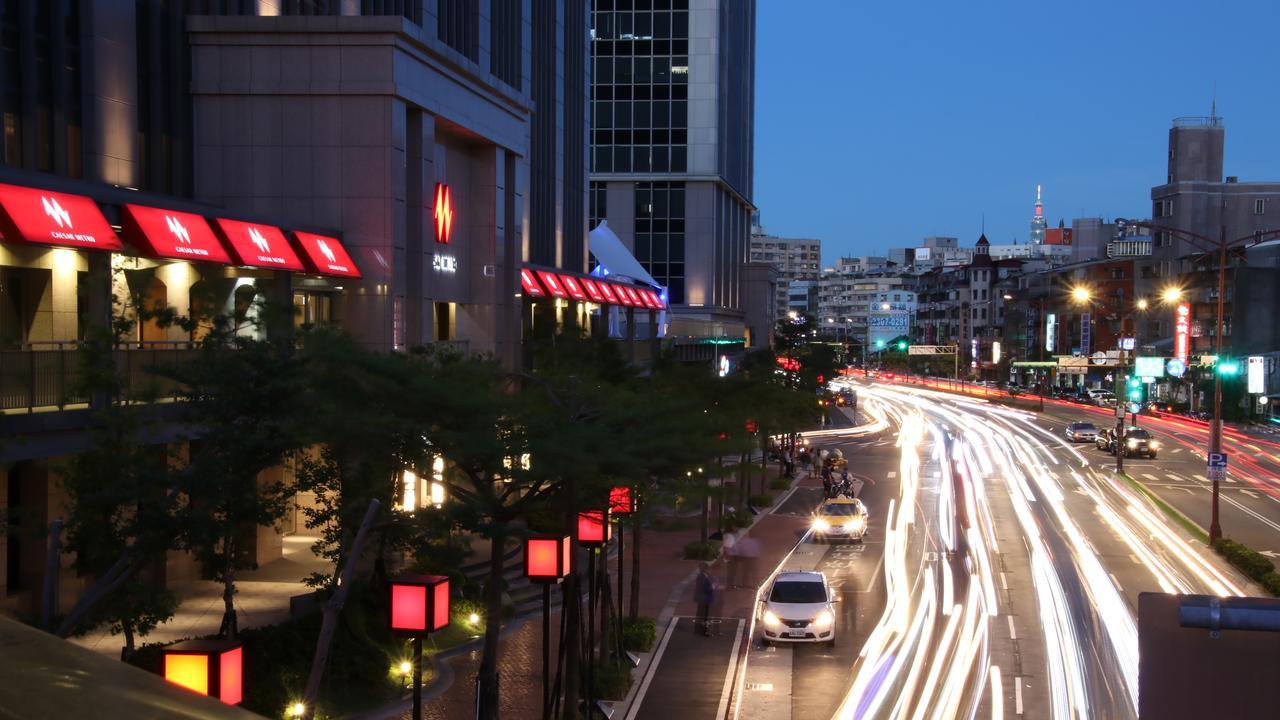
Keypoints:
pixel 1154 445
pixel 1132 444
pixel 856 523
pixel 821 525
pixel 824 619
pixel 771 619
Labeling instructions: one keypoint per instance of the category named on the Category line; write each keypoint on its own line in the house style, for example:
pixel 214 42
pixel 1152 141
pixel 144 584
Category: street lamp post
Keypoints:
pixel 1221 245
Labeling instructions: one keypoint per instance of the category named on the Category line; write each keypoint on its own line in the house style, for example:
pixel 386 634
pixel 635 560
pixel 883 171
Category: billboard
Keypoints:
pixel 1182 332
pixel 1148 367
pixel 1050 332
pixel 1257 375
pixel 884 327
pixel 1086 330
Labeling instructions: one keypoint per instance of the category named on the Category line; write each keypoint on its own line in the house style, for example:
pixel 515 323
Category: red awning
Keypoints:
pixel 530 283
pixel 172 234
pixel 649 298
pixel 573 286
pixel 42 217
pixel 633 296
pixel 593 290
pixel 606 289
pixel 658 304
pixel 254 245
pixel 552 284
pixel 325 255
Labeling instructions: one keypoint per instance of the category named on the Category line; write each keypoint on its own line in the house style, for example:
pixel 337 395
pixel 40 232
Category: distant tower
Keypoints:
pixel 1037 222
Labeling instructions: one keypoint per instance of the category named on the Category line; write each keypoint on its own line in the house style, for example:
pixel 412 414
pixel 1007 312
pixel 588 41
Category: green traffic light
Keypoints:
pixel 879 344
pixel 1135 396
pixel 902 345
pixel 1229 367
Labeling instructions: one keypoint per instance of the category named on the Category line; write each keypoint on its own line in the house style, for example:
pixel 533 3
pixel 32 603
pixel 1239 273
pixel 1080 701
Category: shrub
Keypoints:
pixel 780 483
pixel 1271 581
pixel 638 635
pixel 737 519
pixel 761 500
pixel 667 524
pixel 1249 561
pixel 613 680
pixel 698 550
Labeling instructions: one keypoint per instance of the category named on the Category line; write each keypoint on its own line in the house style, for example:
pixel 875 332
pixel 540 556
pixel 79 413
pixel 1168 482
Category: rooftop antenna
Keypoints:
pixel 1213 107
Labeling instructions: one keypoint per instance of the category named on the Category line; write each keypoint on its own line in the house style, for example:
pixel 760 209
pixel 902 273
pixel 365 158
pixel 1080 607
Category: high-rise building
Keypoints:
pixel 1038 222
pixel 794 259
pixel 673 102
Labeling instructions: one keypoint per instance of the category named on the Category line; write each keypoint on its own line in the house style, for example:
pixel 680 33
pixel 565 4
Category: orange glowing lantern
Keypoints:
pixel 621 501
pixel 208 667
pixel 593 528
pixel 546 558
pixel 419 604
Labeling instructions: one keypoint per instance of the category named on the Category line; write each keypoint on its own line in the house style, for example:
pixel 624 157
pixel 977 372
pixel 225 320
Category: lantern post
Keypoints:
pixel 546 562
pixel 208 667
pixel 593 533
pixel 622 501
pixel 418 606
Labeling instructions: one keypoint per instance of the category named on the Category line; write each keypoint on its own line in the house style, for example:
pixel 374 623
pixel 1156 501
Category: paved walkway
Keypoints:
pixel 262 598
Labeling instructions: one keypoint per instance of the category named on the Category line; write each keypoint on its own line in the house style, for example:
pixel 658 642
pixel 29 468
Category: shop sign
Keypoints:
pixel 1257 374
pixel 256 245
pixel 1182 332
pixel 1086 333
pixel 444 263
pixel 172 234
pixel 325 255
pixel 43 217
pixel 1050 331
pixel 1148 367
pixel 443 214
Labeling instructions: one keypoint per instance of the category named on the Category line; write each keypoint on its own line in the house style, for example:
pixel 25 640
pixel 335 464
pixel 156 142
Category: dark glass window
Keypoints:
pixel 659 243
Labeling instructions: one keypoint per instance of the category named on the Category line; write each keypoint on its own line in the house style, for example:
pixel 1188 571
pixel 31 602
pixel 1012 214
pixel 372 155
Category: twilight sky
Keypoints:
pixel 878 123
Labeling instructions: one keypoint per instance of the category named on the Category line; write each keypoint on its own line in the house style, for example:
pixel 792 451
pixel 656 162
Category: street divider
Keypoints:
pixel 1250 562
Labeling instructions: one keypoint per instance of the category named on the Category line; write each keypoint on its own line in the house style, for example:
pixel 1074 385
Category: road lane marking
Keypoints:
pixel 652 669
pixel 891 474
pixel 1004 581
pixel 1017 695
pixel 728 674
pixel 1116 581
pixel 1149 476
pixel 1135 559
pixel 1013 634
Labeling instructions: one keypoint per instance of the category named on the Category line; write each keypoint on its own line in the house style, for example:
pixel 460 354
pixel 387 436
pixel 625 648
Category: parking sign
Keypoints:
pixel 1217 466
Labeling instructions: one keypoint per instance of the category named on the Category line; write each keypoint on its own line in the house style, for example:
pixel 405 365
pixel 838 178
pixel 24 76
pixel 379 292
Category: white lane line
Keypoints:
pixel 728 674
pixel 1004 581
pixel 1135 559
pixel 1017 695
pixel 1116 581
pixel 1149 476
pixel 652 669
pixel 1013 634
pixel 1174 478
pixel 1250 493
pixel 891 474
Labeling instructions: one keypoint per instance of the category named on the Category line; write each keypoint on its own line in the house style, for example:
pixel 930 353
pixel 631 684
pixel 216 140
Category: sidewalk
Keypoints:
pixel 665 589
pixel 262 598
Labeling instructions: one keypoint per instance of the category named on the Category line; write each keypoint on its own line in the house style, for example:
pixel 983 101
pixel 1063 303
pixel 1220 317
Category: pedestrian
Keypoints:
pixel 748 551
pixel 788 464
pixel 728 546
pixel 826 485
pixel 704 595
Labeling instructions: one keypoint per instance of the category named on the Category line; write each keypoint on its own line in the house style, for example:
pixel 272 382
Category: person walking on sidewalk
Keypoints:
pixel 704 595
pixel 729 546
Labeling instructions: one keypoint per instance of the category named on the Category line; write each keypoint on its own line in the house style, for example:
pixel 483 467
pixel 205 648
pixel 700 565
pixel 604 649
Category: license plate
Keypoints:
pixel 796 633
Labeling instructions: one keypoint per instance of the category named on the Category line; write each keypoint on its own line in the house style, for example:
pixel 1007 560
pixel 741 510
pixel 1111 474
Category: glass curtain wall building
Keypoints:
pixel 671 147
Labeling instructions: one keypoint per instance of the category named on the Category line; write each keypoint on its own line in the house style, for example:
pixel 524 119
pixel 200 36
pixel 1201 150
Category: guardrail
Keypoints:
pixel 45 376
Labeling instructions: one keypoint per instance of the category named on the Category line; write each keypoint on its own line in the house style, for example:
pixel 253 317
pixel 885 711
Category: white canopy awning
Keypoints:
pixel 614 257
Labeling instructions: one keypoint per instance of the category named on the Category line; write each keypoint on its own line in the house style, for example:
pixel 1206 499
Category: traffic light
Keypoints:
pixel 902 345
pixel 879 344
pixel 1228 368
pixel 1136 389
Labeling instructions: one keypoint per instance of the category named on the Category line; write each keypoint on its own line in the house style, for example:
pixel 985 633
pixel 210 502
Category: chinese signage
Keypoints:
pixel 1050 331
pixel 884 327
pixel 995 353
pixel 1182 332
pixel 1148 367
pixel 1257 374
pixel 1085 333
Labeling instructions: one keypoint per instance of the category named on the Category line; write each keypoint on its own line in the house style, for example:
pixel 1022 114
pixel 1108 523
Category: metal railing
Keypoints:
pixel 48 375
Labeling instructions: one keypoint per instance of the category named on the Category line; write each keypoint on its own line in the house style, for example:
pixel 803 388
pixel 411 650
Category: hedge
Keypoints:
pixel 638 634
pixel 1250 562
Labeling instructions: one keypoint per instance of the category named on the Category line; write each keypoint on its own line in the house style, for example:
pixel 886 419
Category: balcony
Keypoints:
pixel 46 376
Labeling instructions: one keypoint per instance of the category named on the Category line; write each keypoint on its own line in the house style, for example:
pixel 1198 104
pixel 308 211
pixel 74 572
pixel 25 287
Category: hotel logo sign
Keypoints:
pixel 443 214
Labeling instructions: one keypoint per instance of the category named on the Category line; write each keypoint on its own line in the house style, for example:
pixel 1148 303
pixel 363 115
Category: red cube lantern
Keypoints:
pixel 419 604
pixel 209 667
pixel 621 500
pixel 593 528
pixel 751 426
pixel 546 558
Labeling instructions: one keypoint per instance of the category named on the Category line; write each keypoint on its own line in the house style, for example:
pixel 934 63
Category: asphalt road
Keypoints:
pixel 1001 575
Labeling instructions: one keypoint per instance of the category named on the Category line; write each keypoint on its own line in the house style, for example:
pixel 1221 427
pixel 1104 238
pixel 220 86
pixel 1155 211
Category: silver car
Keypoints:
pixel 1082 432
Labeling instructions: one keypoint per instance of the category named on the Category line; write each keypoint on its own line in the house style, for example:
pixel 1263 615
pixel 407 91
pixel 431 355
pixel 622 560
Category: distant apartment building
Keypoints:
pixel 847 300
pixel 794 259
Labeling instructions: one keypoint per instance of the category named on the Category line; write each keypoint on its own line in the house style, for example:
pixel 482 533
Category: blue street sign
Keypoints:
pixel 1217 460
pixel 1176 367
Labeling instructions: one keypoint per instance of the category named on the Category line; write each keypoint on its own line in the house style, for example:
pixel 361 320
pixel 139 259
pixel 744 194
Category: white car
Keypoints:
pixel 1082 432
pixel 800 607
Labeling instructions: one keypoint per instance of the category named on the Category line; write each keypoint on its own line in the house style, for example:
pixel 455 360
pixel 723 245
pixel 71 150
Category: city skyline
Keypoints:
pixel 896 162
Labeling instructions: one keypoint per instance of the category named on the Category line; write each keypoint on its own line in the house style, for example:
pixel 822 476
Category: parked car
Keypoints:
pixel 840 518
pixel 1137 442
pixel 1082 432
pixel 799 607
pixel 1104 398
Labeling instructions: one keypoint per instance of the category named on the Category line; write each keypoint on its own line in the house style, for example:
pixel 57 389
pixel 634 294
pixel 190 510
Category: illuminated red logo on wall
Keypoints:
pixel 1182 332
pixel 444 213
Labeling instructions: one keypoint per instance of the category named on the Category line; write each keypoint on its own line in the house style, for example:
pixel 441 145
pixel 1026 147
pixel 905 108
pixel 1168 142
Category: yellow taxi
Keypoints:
pixel 844 518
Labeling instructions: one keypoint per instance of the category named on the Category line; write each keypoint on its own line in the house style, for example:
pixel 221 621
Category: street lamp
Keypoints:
pixel 207 667
pixel 1171 294
pixel 419 606
pixel 1221 245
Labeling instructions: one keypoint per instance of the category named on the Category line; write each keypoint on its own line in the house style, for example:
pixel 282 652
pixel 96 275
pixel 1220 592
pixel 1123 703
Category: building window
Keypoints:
pixel 458 26
pixel 1260 206
pixel 598 203
pixel 659 234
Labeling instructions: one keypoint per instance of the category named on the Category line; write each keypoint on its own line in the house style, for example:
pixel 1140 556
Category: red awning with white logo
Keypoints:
pixel 171 234
pixel 42 217
pixel 574 287
pixel 593 290
pixel 530 283
pixel 325 255
pixel 256 245
pixel 552 284
pixel 606 289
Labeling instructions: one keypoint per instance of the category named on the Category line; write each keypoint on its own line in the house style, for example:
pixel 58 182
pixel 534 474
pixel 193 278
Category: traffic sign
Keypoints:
pixel 1176 367
pixel 1217 466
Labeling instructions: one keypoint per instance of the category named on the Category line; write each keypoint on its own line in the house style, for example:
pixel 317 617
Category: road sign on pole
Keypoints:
pixel 1217 466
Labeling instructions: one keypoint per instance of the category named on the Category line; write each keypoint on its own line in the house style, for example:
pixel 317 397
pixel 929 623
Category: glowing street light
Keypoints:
pixel 1171 294
pixel 207 667
pixel 1142 304
pixel 419 606
pixel 1080 294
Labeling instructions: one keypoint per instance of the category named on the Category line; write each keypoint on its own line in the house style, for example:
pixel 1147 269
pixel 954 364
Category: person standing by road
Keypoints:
pixel 704 596
pixel 729 548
